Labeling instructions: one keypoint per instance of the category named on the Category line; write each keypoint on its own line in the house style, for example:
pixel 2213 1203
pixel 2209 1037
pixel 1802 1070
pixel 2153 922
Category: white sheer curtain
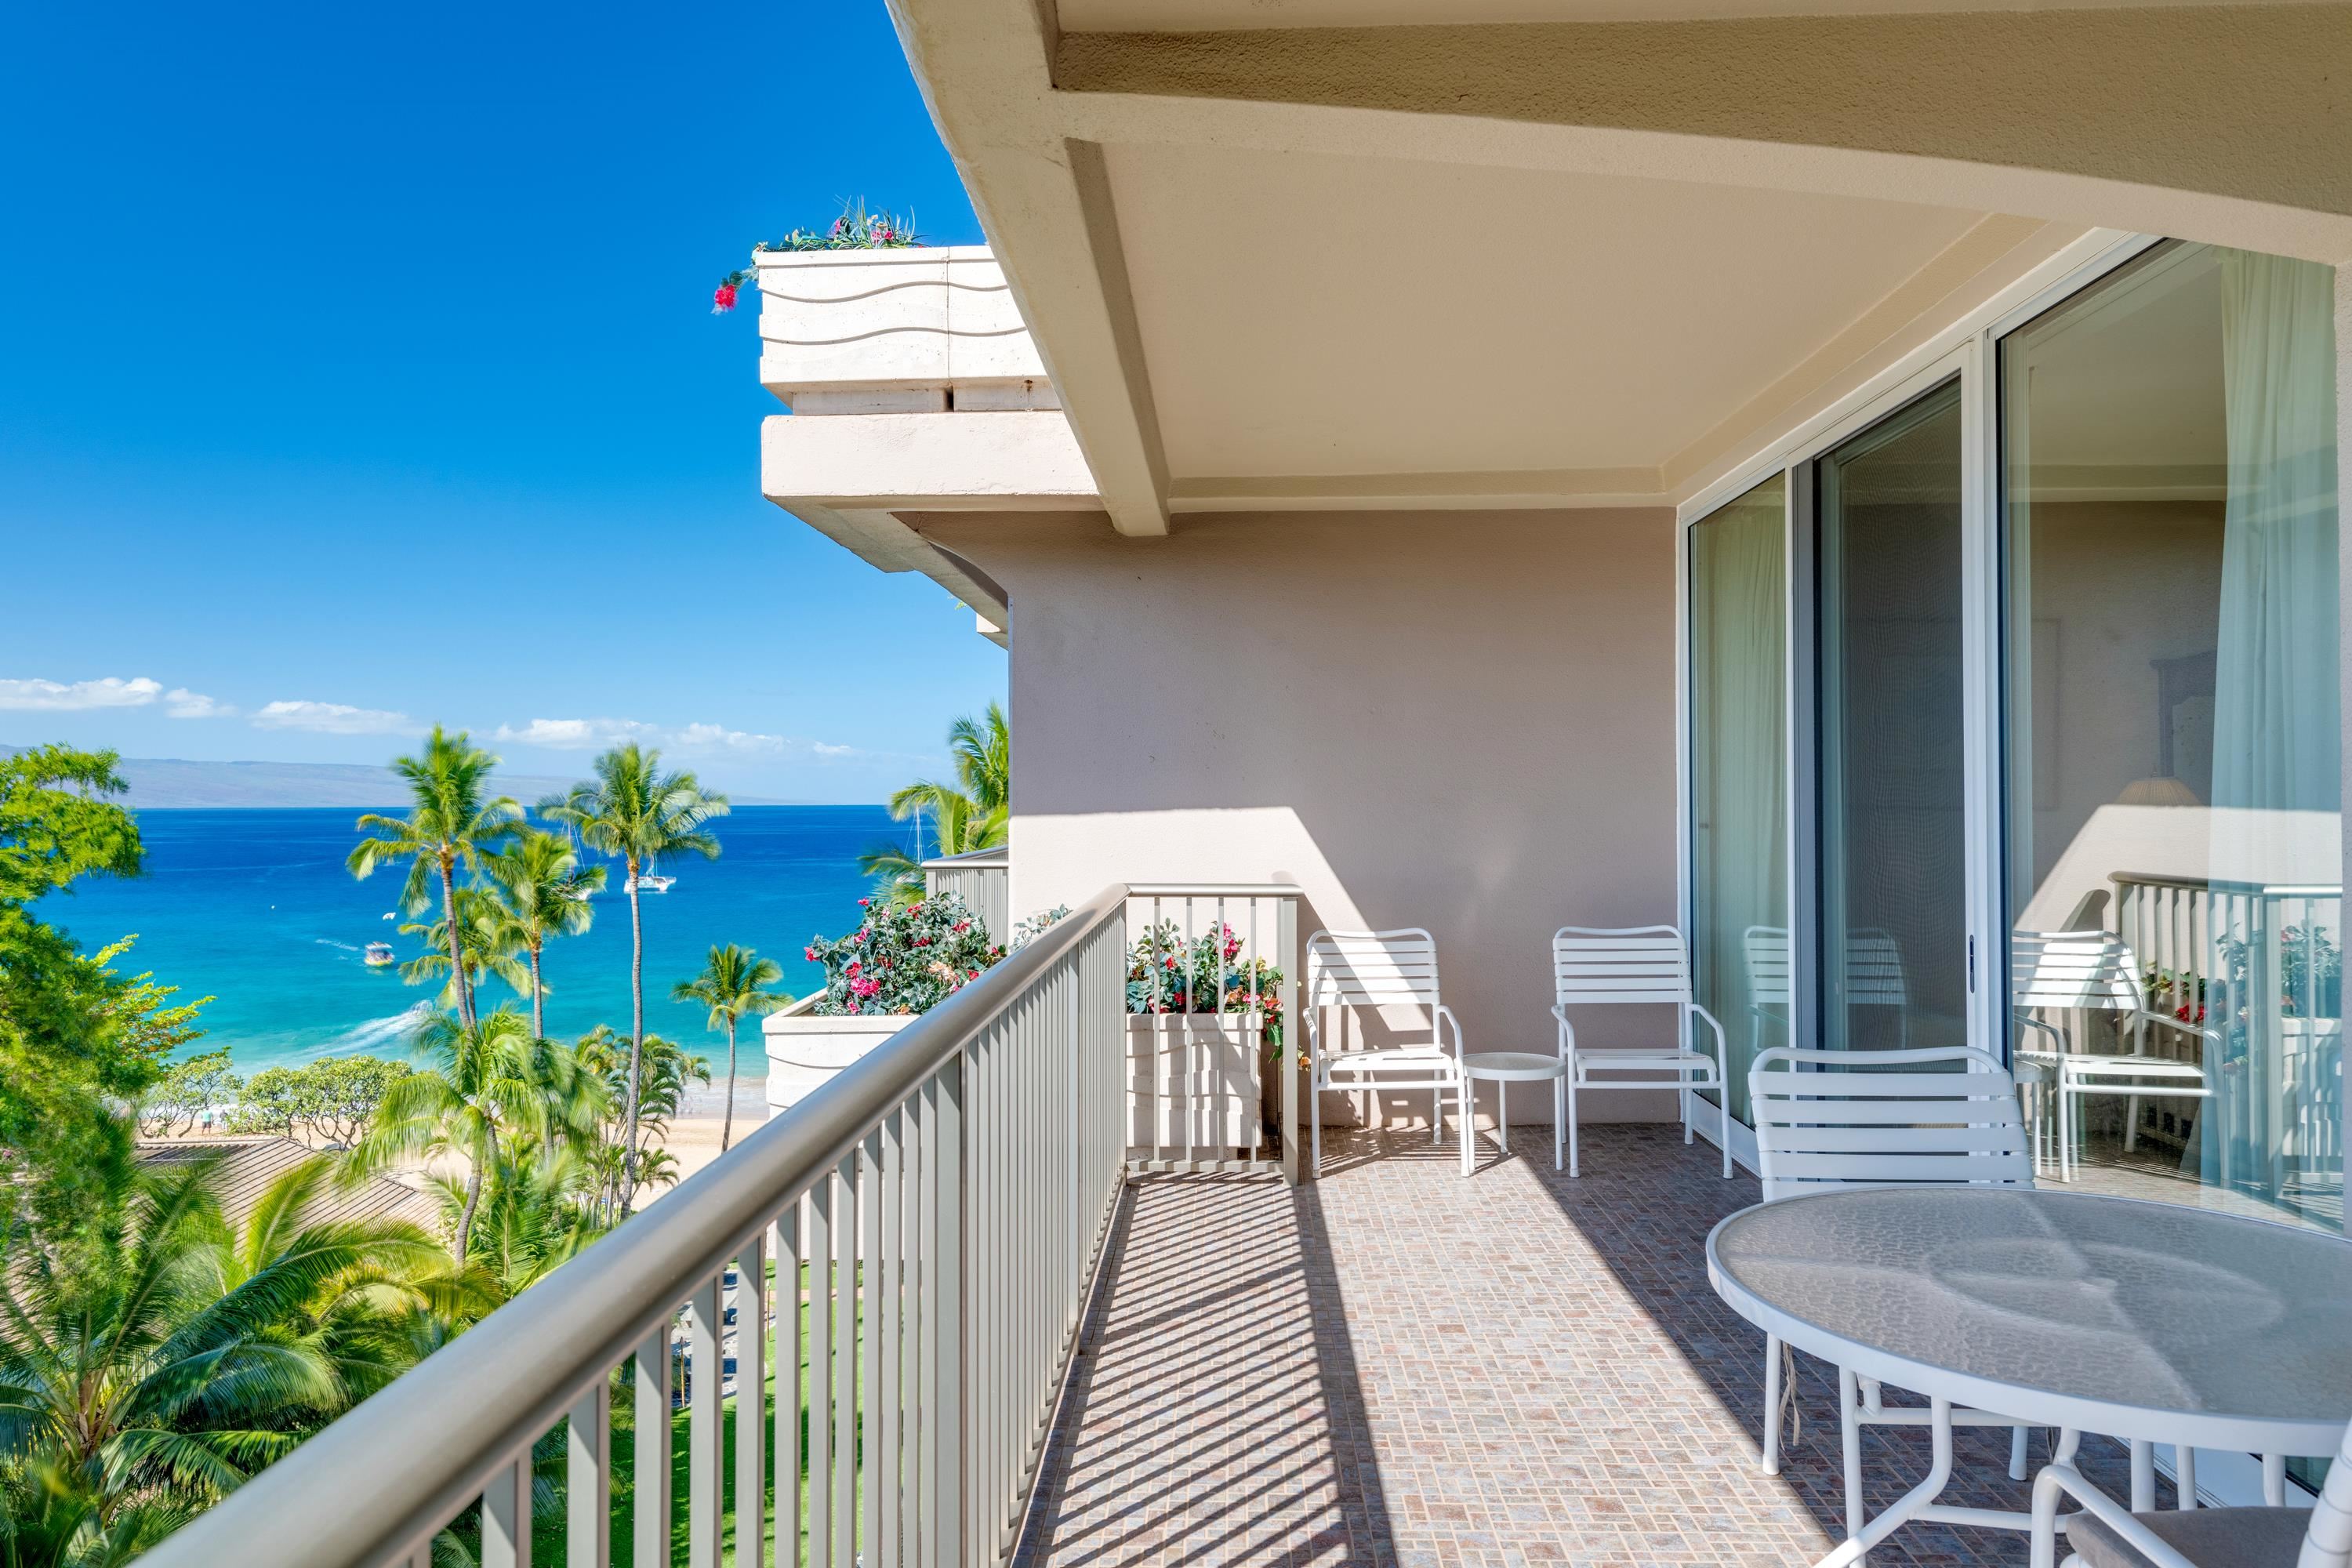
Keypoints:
pixel 2277 728
pixel 1740 800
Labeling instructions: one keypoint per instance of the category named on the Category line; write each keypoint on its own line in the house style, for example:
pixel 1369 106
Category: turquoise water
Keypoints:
pixel 255 908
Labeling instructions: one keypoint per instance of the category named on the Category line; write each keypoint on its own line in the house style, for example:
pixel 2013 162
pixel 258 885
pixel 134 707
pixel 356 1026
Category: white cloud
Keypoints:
pixel 575 734
pixel 704 740
pixel 49 696
pixel 334 718
pixel 182 703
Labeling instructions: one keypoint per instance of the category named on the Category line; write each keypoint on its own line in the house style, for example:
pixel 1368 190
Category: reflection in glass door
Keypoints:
pixel 1891 904
pixel 1739 776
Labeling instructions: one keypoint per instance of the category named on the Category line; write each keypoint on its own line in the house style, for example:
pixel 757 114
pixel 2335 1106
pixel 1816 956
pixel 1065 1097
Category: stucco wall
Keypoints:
pixel 1458 720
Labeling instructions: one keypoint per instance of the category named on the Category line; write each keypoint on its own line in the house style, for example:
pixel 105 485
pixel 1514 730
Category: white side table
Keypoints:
pixel 1507 1068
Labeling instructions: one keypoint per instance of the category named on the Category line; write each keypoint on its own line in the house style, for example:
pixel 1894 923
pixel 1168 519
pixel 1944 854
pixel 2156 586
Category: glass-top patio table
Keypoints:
pixel 2151 1322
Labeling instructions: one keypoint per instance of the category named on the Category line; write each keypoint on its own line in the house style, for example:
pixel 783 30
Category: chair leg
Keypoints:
pixel 1850 1444
pixel 1771 1405
pixel 2131 1124
pixel 1558 1121
pixel 1571 1081
pixel 1436 1115
pixel 1315 1121
pixel 1469 1129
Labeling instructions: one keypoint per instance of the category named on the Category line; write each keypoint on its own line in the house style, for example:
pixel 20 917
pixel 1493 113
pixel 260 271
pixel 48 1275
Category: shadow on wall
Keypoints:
pixel 1203 1431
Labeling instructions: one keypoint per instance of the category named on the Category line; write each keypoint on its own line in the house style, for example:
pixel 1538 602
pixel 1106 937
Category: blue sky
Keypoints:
pixel 359 362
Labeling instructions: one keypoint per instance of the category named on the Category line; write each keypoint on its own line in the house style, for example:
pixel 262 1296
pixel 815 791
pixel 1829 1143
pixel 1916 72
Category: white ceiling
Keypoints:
pixel 1302 314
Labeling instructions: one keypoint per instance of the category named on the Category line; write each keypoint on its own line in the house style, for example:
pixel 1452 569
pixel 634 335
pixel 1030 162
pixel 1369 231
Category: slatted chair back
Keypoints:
pixel 2327 1542
pixel 1372 969
pixel 2089 969
pixel 1769 966
pixel 1593 966
pixel 1819 1127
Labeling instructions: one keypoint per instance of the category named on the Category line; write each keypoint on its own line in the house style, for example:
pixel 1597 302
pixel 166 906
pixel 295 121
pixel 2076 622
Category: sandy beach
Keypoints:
pixel 694 1131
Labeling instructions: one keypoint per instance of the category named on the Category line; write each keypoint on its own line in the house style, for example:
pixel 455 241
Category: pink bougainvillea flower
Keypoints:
pixel 722 299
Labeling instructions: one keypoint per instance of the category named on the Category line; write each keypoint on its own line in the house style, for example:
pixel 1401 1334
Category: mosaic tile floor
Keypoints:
pixel 1397 1366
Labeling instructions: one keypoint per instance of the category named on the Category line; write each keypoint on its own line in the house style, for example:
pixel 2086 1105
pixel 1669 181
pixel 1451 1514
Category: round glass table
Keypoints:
pixel 2151 1322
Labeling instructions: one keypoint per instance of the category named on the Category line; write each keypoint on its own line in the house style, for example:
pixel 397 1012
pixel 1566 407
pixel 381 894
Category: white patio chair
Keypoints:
pixel 2094 970
pixel 2105 1534
pixel 1595 966
pixel 1819 1129
pixel 1874 978
pixel 1367 971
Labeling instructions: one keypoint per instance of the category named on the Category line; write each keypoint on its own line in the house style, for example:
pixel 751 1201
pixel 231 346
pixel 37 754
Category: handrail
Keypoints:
pixel 970 860
pixel 2209 884
pixel 384 1478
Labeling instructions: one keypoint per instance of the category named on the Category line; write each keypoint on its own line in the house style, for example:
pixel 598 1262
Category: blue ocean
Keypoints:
pixel 254 908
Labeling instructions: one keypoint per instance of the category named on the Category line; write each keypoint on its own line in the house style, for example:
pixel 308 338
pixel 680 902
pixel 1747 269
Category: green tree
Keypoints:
pixel 537 1212
pixel 155 1357
pixel 545 892
pixel 643 817
pixel 973 813
pixel 733 986
pixel 486 1082
pixel 667 1072
pixel 328 1101
pixel 488 937
pixel 452 821
pixel 190 1091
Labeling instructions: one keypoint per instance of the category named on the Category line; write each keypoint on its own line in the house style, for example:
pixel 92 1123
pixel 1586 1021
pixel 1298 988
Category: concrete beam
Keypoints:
pixel 2230 123
pixel 1041 195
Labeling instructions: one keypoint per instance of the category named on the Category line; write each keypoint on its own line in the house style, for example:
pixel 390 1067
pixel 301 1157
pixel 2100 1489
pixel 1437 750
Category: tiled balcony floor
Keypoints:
pixel 1397 1366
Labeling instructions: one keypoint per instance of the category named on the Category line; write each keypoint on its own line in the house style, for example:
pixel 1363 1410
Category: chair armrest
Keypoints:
pixel 1445 1016
pixel 2056 1479
pixel 2210 1036
pixel 2051 1030
pixel 1722 1055
pixel 1567 1031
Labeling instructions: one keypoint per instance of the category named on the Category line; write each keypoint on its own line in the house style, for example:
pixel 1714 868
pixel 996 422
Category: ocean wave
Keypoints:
pixel 376 1033
pixel 330 941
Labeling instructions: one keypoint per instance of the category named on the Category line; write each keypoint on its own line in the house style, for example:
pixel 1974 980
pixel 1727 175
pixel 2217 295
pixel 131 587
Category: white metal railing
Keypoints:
pixel 941 1207
pixel 1213 1002
pixel 2248 962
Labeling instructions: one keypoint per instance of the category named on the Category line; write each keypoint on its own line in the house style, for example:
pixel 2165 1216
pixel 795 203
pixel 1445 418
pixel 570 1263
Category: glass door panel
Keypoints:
pixel 2173 733
pixel 1891 902
pixel 1739 776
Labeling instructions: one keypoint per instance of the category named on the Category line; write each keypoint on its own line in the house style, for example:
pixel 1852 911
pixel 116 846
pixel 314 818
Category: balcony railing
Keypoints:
pixel 942 1204
pixel 922 1234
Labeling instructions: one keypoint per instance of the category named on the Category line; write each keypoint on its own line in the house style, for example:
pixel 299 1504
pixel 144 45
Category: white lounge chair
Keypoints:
pixel 1607 966
pixel 1367 971
pixel 1819 1129
pixel 2094 970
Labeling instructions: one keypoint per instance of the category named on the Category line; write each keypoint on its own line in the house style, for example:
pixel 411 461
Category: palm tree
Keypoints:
pixel 153 1365
pixel 974 813
pixel 545 892
pixel 667 1071
pixel 449 823
pixel 489 936
pixel 642 817
pixel 536 1213
pixel 733 986
pixel 486 1081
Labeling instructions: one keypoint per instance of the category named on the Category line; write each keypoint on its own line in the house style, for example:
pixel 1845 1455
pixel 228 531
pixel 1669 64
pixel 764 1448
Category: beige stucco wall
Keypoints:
pixel 1459 720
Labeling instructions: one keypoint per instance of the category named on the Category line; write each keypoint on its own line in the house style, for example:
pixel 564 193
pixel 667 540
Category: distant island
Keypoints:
pixel 161 783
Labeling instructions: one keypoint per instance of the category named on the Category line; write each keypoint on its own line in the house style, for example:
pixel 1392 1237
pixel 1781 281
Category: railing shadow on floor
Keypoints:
pixel 1149 1462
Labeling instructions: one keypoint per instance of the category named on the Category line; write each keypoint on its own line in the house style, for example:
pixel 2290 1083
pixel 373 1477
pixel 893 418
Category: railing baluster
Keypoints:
pixel 883 1467
pixel 822 1521
pixel 704 1387
pixel 506 1515
pixel 874 1281
pixel 588 1477
pixel 845 1362
pixel 943 1313
pixel 750 1403
pixel 788 1233
pixel 650 1502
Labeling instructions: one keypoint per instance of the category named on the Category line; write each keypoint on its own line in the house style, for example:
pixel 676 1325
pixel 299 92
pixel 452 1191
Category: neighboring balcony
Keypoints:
pixel 913 386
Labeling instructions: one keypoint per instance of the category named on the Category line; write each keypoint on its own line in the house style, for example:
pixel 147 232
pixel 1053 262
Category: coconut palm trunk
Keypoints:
pixel 537 997
pixel 456 951
pixel 727 1121
pixel 637 1035
pixel 484 1158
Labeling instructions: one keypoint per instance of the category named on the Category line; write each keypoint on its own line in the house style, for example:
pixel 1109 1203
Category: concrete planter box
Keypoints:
pixel 805 1051
pixel 895 331
pixel 1193 1079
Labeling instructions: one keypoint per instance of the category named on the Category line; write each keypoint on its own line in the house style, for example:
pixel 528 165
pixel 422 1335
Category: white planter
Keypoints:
pixel 805 1051
pixel 1192 1081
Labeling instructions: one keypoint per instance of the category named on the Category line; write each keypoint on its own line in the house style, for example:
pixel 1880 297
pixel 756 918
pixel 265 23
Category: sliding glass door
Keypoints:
pixel 2173 736
pixel 1738 775
pixel 1889 948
